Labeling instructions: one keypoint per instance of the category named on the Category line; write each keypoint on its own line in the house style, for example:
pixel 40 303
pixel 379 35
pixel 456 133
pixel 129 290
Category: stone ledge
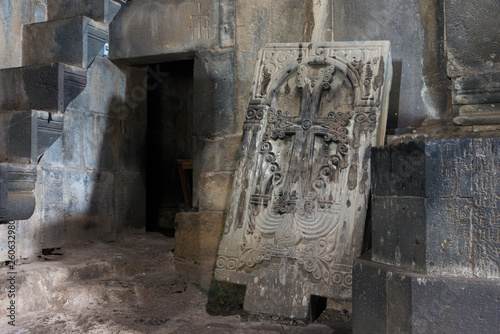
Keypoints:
pixel 388 299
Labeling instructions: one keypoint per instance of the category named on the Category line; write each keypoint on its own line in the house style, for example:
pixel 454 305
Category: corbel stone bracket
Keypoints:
pixel 47 87
pixel 74 41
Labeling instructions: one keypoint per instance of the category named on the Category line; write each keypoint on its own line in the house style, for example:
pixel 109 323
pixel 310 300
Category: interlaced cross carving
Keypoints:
pixel 300 193
pixel 307 126
pixel 301 206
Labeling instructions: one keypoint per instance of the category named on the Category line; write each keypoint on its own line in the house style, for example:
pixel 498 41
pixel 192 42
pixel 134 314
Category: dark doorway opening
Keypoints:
pixel 169 145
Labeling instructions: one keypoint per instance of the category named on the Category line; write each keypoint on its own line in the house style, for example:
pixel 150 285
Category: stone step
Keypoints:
pixel 82 293
pixel 46 87
pixel 98 273
pixel 74 41
pixel 99 10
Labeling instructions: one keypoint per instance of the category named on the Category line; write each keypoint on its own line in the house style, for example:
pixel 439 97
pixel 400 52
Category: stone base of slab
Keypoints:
pixel 387 299
pixel 197 238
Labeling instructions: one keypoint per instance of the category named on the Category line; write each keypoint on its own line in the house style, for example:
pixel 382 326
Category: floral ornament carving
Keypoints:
pixel 273 62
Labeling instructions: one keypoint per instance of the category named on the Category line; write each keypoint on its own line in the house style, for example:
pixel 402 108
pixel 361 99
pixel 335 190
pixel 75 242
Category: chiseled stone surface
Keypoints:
pixel 389 299
pixel 435 206
pixel 298 207
pixel 75 41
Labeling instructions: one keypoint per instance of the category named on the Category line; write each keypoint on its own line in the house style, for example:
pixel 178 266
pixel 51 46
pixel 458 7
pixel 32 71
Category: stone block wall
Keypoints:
pixel 435 207
pixel 90 183
pixel 96 169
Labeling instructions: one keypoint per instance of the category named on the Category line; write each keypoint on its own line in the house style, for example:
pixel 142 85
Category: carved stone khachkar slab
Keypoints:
pixel 298 207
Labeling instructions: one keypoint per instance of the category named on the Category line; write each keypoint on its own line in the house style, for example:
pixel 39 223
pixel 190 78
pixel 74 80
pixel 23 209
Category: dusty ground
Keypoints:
pixel 131 286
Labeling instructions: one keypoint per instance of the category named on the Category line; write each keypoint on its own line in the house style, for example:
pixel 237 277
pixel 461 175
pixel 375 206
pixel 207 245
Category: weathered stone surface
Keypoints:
pixel 48 87
pixel 473 51
pixel 370 305
pixel 72 140
pixel 435 206
pixel 472 37
pixel 13 14
pixel 115 90
pixel 299 201
pixel 74 41
pixel 99 10
pixel 280 21
pixel 220 153
pixel 197 238
pixel 27 135
pixel 159 30
pixel 106 123
pixel 129 199
pixel 17 183
pixel 388 299
pixel 399 172
pixel 415 29
pixel 214 190
pixel 52 206
pixel 98 144
pixel 404 241
pixel 227 19
pixel 89 206
pixel 213 82
pixel 213 75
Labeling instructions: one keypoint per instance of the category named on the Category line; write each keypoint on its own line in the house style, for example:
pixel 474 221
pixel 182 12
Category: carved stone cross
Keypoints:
pixel 200 23
pixel 300 194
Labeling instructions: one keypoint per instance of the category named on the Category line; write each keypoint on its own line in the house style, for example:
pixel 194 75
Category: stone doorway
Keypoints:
pixel 169 141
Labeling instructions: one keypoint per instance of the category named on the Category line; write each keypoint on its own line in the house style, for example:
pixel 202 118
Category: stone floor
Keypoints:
pixel 131 286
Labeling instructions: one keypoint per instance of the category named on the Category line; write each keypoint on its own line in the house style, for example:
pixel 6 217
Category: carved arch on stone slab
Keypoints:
pixel 343 66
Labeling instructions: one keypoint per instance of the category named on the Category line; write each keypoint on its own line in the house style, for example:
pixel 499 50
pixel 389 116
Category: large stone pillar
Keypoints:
pixel 434 266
